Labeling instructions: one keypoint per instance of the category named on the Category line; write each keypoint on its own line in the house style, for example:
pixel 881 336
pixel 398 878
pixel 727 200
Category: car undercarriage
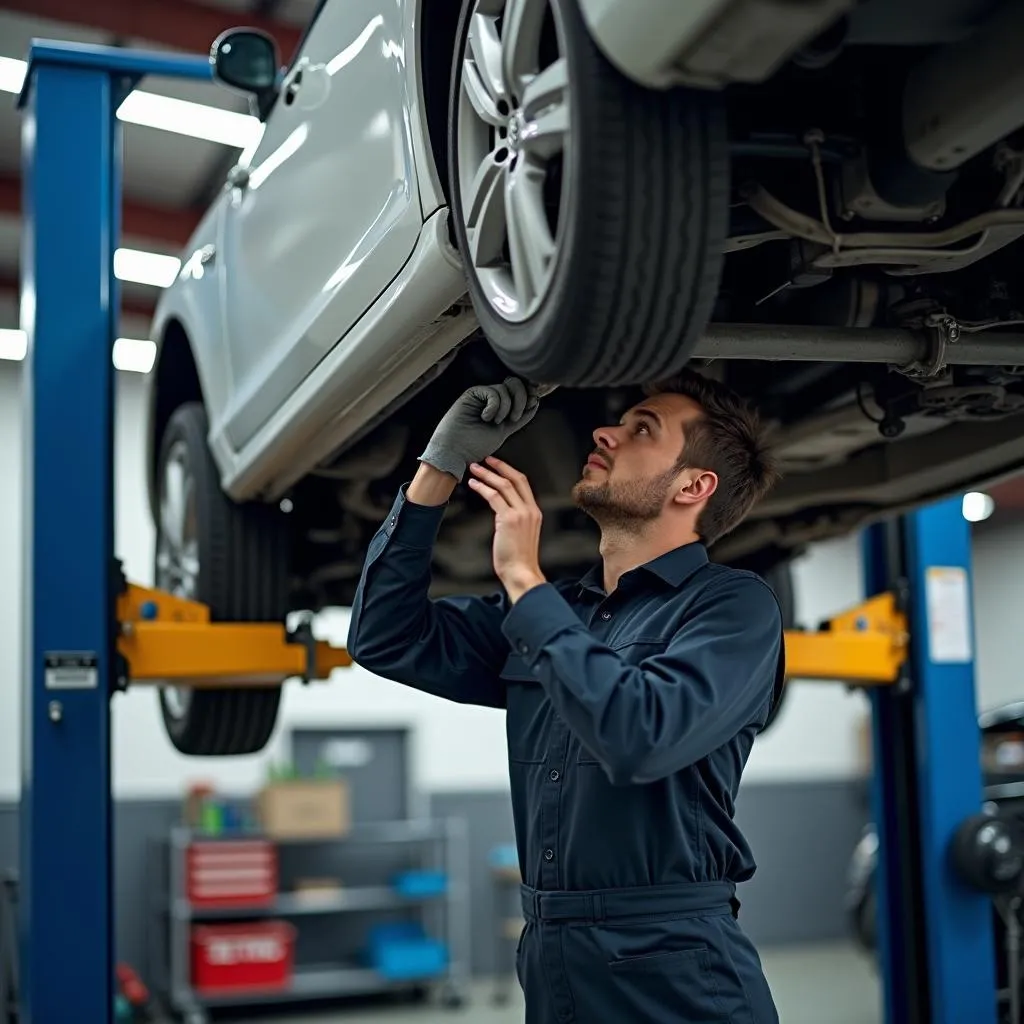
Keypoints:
pixel 871 303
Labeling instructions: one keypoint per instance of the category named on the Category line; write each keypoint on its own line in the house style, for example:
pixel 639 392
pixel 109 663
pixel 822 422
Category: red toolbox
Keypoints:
pixel 231 873
pixel 256 956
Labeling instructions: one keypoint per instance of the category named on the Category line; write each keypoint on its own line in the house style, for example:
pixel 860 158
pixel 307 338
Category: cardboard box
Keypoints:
pixel 305 809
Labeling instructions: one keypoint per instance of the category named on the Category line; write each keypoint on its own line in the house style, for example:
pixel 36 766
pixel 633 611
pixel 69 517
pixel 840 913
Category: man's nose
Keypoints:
pixel 605 437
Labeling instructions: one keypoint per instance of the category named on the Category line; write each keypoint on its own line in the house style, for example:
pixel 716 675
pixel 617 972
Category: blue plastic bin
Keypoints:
pixel 420 884
pixel 403 952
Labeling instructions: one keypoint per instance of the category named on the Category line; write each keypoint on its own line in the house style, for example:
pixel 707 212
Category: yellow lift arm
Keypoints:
pixel 166 639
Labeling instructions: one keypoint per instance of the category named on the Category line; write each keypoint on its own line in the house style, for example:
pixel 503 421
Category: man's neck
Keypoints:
pixel 622 551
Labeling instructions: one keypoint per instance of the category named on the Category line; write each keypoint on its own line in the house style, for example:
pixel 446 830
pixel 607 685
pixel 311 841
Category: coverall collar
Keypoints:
pixel 673 567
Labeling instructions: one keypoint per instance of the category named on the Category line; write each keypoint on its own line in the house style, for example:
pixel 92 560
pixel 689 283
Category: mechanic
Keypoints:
pixel 632 695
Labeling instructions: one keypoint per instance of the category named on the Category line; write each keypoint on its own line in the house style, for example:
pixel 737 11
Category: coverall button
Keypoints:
pixel 555 776
pixel 606 615
pixel 524 648
pixel 549 854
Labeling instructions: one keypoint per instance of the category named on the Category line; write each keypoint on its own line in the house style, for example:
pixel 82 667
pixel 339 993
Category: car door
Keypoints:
pixel 323 212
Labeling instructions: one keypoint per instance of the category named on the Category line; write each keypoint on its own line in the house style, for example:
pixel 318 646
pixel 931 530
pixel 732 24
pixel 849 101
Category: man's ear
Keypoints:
pixel 695 486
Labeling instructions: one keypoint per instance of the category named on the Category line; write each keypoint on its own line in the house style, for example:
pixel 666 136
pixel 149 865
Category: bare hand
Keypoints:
pixel 517 522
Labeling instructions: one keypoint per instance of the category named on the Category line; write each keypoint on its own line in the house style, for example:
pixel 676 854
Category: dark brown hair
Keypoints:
pixel 729 440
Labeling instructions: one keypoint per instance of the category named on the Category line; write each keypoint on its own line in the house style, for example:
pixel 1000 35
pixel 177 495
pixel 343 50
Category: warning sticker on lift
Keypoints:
pixel 949 614
pixel 72 670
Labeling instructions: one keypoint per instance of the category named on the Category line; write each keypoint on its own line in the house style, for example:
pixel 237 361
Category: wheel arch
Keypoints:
pixel 438 20
pixel 175 381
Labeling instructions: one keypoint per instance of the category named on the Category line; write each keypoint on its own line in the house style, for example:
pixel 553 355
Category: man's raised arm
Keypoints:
pixel 452 647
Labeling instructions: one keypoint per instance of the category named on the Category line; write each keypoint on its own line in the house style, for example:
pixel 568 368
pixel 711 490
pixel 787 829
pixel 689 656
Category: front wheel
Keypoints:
pixel 591 212
pixel 233 558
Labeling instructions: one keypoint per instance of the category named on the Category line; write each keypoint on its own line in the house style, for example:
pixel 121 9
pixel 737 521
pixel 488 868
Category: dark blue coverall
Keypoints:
pixel 630 717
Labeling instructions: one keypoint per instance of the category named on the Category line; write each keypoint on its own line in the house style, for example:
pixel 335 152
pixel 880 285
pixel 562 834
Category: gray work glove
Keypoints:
pixel 479 423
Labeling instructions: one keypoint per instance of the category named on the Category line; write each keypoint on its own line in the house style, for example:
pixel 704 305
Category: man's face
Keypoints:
pixel 632 474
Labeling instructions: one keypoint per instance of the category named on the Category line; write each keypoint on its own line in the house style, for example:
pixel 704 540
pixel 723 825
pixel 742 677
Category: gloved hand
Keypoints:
pixel 479 423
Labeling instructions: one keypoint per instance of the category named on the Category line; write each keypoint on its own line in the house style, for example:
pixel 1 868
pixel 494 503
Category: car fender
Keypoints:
pixel 194 300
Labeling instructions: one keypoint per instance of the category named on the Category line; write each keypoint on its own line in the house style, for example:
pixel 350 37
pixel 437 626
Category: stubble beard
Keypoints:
pixel 626 507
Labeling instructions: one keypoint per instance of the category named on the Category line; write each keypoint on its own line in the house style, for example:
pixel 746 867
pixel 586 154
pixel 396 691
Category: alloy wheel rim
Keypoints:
pixel 177 553
pixel 513 146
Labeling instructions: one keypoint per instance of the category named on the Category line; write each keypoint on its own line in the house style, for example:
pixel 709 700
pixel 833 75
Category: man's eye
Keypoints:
pixel 643 426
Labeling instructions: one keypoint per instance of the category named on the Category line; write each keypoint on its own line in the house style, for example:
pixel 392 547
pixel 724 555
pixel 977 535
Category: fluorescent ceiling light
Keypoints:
pixel 183 117
pixel 13 344
pixel 134 355
pixel 12 74
pixel 977 506
pixel 146 267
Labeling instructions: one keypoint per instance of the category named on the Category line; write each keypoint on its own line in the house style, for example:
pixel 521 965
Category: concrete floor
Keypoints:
pixel 812 985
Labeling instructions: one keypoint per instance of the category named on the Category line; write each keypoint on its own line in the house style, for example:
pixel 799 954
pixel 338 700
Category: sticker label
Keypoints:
pixel 71 670
pixel 949 615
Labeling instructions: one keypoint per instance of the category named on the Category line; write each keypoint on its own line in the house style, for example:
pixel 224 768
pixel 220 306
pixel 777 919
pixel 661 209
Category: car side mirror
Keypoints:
pixel 246 59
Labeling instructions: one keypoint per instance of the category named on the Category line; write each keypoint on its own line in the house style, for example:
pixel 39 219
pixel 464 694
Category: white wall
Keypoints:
pixel 998 612
pixel 455 747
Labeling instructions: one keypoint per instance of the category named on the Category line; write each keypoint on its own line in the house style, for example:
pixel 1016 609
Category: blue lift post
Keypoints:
pixel 935 936
pixel 69 308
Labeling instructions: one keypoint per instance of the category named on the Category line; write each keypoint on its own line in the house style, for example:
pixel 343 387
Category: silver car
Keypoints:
pixel 818 201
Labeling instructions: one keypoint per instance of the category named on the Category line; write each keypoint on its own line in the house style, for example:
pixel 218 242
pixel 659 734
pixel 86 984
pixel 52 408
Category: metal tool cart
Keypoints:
pixel 508 923
pixel 435 894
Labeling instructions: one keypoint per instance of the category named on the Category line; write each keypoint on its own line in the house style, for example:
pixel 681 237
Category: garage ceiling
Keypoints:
pixel 169 178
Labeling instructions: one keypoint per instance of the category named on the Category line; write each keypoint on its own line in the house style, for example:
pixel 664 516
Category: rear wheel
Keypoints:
pixel 591 212
pixel 233 558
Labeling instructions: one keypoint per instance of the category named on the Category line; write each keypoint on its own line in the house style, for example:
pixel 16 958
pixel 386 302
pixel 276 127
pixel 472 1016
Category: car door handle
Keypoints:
pixel 238 176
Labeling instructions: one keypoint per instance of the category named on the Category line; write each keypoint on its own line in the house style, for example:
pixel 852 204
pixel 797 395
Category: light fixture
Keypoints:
pixel 197 120
pixel 183 117
pixel 977 506
pixel 13 344
pixel 141 267
pixel 12 74
pixel 133 355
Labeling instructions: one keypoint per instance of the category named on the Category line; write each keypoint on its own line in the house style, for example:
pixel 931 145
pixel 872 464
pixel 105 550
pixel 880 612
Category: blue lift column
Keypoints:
pixel 69 309
pixel 935 936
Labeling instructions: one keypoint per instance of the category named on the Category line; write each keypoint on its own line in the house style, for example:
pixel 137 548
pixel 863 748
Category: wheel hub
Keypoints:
pixel 513 144
pixel 177 555
pixel 515 127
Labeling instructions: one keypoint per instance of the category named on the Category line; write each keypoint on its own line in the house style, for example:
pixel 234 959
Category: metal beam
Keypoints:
pixel 799 343
pixel 183 24
pixel 139 220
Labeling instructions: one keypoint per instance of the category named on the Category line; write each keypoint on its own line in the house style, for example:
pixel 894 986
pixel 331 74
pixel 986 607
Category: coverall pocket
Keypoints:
pixel 526 720
pixel 678 985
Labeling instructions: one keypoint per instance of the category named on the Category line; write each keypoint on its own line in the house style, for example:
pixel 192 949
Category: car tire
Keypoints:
pixel 643 200
pixel 234 559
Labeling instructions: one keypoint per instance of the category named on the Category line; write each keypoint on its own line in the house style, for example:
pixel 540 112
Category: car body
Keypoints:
pixel 789 196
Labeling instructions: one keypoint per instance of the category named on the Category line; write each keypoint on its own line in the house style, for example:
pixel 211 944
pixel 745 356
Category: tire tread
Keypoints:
pixel 644 249
pixel 243 578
